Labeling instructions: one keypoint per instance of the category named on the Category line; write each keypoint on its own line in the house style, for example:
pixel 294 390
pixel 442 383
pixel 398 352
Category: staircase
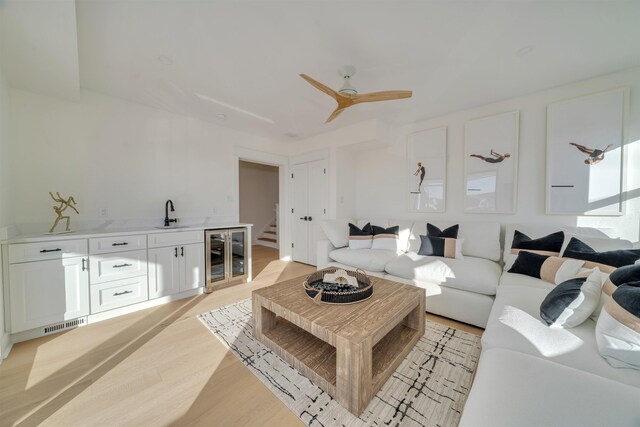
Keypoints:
pixel 269 235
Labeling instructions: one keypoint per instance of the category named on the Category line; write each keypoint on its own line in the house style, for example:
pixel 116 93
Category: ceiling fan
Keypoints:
pixel 347 95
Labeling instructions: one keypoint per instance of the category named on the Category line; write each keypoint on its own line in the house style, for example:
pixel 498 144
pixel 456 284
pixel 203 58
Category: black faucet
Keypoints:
pixel 168 221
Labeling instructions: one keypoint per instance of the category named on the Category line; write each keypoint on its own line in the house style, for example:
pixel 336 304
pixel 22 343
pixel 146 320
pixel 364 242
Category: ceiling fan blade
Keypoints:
pixel 335 114
pixel 332 93
pixel 387 95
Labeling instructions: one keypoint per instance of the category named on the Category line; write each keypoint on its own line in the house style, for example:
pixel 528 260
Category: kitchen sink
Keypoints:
pixel 172 227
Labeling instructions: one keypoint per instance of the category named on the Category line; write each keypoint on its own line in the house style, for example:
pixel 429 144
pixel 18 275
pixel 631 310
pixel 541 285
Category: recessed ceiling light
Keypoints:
pixel 165 60
pixel 525 50
pixel 221 116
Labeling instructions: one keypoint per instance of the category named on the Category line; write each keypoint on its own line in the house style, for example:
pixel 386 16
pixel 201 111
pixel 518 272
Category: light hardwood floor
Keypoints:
pixel 158 367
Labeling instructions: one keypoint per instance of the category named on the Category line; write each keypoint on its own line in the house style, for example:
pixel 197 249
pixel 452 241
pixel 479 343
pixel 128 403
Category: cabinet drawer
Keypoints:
pixel 158 240
pixel 121 265
pixel 105 245
pixel 55 249
pixel 118 293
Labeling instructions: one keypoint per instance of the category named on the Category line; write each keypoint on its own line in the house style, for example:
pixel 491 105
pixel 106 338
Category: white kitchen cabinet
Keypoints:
pixel 175 269
pixel 164 274
pixel 191 266
pixel 46 292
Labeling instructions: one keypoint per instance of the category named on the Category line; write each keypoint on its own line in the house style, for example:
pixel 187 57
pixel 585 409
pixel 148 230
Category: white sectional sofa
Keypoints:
pixel 529 374
pixel 461 289
pixel 532 375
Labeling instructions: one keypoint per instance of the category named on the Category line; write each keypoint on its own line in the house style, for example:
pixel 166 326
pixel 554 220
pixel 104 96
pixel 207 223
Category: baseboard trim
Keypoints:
pixel 93 318
pixel 5 345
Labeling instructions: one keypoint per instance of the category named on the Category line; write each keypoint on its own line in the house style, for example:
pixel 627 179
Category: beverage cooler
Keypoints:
pixel 226 257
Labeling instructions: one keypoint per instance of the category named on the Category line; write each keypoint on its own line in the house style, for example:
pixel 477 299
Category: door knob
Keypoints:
pixel 306 218
pixel 309 218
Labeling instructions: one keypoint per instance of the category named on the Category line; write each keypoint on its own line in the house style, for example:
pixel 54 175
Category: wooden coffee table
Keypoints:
pixel 348 350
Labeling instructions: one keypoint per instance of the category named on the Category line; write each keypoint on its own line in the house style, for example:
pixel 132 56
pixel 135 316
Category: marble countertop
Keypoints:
pixel 117 231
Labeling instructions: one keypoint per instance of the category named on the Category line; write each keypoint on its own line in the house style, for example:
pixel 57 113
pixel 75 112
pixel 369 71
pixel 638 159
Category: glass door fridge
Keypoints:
pixel 226 257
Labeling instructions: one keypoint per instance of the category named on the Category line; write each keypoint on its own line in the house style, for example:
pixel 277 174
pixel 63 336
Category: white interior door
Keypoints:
pixel 310 197
pixel 318 197
pixel 299 215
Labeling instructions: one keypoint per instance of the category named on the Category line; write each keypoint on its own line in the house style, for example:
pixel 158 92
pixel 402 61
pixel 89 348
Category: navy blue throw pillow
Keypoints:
pixel 451 232
pixel 548 245
pixel 619 258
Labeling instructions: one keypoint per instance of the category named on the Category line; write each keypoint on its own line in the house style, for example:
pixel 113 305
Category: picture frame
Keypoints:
pixel 491 163
pixel 427 170
pixel 584 153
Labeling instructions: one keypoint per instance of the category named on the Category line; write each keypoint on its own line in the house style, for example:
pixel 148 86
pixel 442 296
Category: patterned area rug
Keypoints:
pixel 428 389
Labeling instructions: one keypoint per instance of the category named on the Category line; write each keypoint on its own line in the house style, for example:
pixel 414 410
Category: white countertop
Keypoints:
pixel 119 231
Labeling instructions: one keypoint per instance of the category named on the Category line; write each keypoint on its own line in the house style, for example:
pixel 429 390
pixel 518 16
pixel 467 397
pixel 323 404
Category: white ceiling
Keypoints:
pixel 39 46
pixel 234 56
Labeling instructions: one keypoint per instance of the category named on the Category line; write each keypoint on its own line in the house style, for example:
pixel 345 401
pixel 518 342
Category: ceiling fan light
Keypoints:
pixel 347 88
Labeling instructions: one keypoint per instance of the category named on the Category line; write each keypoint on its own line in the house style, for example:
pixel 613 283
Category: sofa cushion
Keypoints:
pixel 515 324
pixel 600 244
pixel 548 268
pixel 572 301
pixel 626 274
pixel 447 247
pixel 451 232
pixel 386 238
pixel 366 259
pixel 546 245
pixel 618 328
pixel 481 239
pixel 360 238
pixel 515 279
pixel 539 230
pixel 337 231
pixel 616 258
pixel 515 389
pixel 469 274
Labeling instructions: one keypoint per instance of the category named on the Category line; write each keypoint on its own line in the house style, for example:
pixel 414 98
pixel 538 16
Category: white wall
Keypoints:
pixel 5 162
pixel 5 193
pixel 128 158
pixel 380 177
pixel 258 195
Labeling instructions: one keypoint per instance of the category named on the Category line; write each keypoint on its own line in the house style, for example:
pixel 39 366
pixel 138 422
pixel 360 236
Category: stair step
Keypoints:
pixel 266 239
pixel 269 232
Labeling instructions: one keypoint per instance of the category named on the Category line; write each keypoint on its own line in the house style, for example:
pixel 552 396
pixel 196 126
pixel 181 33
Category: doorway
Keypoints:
pixel 259 194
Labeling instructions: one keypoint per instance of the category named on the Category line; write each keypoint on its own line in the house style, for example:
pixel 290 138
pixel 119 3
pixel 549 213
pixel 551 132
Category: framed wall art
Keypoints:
pixel 427 170
pixel 584 154
pixel 491 163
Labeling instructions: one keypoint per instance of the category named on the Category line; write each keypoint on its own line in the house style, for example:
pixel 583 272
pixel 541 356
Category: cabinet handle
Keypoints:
pixel 44 251
pixel 305 218
pixel 181 250
pixel 84 264
pixel 176 252
pixel 122 265
pixel 122 293
pixel 120 244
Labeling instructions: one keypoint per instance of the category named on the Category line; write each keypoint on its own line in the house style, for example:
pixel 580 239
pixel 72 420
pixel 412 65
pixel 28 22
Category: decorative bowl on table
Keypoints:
pixel 336 286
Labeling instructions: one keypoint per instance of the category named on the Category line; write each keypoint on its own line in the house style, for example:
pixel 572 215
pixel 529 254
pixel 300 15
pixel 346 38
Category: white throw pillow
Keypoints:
pixel 572 301
pixel 337 231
